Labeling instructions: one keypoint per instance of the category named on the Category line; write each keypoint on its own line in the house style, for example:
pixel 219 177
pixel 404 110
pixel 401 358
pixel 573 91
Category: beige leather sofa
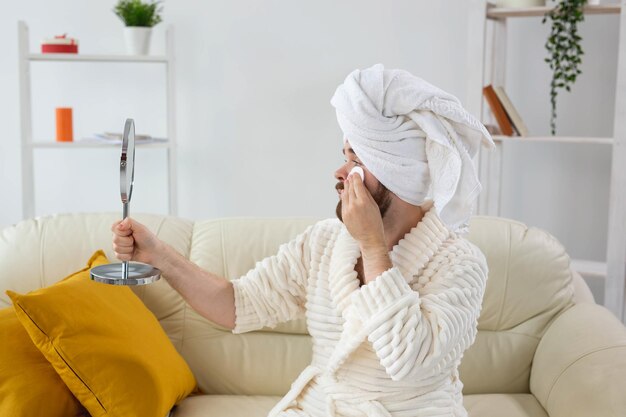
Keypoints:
pixel 543 347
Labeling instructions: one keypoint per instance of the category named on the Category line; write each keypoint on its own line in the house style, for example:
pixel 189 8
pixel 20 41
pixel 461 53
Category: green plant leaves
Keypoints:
pixel 564 50
pixel 138 13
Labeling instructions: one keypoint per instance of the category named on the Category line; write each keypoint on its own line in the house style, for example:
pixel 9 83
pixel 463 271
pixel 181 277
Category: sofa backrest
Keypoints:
pixel 529 284
pixel 263 362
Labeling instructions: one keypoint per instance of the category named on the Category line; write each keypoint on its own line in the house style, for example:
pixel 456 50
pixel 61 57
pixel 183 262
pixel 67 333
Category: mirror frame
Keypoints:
pixel 127 161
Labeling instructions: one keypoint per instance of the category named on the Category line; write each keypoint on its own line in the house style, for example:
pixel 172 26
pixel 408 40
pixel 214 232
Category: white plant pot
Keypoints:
pixel 137 40
pixel 520 3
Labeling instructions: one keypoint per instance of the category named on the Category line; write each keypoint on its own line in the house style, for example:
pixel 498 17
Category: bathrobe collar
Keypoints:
pixel 409 255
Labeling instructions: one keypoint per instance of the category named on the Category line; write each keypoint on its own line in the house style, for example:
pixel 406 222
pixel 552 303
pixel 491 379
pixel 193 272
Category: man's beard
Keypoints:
pixel 382 196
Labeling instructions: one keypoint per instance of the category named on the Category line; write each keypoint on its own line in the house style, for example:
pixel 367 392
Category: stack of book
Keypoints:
pixel 506 115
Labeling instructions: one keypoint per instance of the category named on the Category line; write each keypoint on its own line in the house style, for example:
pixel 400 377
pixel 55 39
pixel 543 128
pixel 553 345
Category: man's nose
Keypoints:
pixel 342 173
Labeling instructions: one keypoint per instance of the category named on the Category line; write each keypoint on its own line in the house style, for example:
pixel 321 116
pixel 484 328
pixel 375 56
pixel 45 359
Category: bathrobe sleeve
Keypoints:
pixel 274 290
pixel 418 334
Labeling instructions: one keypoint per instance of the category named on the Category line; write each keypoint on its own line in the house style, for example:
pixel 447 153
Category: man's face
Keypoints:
pixel 379 192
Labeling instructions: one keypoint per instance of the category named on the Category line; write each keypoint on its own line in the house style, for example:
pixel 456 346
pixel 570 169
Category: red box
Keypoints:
pixel 59 49
pixel 59 45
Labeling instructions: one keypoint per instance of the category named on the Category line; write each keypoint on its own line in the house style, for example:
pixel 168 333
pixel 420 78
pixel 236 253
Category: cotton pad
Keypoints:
pixel 358 170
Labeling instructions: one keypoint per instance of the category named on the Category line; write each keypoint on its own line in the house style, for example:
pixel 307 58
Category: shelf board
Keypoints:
pixel 558 139
pixel 80 144
pixel 506 12
pixel 97 58
pixel 589 268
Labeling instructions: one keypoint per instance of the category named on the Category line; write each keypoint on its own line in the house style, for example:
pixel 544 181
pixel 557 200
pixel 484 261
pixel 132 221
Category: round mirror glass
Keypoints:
pixel 127 161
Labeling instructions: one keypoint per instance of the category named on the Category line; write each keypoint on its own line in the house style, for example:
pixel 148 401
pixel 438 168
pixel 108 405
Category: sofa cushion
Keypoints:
pixel 226 405
pixel 108 348
pixel 501 405
pixel 529 284
pixel 257 363
pixel 480 405
pixel 530 280
pixel 224 247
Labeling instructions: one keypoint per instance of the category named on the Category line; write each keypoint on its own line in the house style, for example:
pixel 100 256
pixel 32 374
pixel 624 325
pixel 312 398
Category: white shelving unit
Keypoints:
pixel 29 146
pixel 487 65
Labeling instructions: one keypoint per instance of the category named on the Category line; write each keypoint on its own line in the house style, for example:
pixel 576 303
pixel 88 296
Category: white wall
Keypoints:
pixel 257 135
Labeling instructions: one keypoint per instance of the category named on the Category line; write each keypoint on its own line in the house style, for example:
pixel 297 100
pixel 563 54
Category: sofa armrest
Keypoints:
pixel 579 368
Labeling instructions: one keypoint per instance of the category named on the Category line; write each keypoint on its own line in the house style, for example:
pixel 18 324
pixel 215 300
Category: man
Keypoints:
pixel 391 291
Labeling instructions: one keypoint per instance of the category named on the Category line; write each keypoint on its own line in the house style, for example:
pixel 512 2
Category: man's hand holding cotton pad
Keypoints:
pixel 358 170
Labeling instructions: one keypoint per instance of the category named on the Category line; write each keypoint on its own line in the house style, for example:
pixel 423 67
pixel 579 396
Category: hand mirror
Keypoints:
pixel 126 273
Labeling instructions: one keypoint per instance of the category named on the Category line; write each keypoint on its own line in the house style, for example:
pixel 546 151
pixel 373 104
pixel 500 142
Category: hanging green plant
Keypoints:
pixel 564 48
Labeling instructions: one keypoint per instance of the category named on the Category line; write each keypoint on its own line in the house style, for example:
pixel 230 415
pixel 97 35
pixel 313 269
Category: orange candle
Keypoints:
pixel 64 124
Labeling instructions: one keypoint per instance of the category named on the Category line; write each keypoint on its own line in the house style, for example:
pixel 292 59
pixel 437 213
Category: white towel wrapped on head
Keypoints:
pixel 415 138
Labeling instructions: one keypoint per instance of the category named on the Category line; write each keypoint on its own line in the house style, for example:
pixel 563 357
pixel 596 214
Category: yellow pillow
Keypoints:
pixel 108 348
pixel 29 386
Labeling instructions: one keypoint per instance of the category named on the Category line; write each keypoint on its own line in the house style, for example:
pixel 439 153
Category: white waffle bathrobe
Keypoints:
pixel 389 348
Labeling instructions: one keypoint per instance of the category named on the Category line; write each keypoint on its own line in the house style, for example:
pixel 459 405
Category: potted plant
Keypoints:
pixel 139 18
pixel 564 48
